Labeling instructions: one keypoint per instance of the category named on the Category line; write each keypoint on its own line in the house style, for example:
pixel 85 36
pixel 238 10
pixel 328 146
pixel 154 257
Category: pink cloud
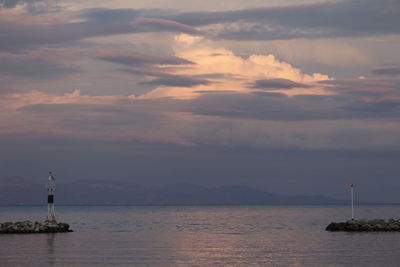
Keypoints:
pixel 166 24
pixel 238 73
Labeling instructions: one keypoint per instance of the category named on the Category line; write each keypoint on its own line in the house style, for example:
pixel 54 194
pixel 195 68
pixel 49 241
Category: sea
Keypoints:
pixel 200 236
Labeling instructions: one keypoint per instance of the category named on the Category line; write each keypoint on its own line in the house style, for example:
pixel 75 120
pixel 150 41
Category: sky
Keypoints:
pixel 292 97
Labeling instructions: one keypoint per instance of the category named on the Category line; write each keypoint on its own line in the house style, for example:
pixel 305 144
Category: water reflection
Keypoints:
pixel 203 236
pixel 51 259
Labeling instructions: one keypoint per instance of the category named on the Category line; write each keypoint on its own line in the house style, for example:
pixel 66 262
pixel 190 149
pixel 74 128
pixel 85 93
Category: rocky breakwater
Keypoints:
pixel 366 225
pixel 28 227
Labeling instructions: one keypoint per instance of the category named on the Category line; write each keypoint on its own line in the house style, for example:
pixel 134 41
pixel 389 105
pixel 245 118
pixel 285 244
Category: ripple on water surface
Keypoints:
pixel 200 236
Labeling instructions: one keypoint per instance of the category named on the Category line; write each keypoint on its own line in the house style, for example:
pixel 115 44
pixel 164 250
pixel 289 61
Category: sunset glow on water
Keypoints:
pixel 200 236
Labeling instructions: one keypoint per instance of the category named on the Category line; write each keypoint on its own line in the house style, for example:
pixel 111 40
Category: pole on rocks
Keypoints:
pixel 352 200
pixel 51 186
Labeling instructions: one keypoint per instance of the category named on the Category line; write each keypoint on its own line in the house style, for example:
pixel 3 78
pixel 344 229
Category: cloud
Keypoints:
pixel 11 3
pixel 102 15
pixel 388 106
pixel 154 67
pixel 104 117
pixel 318 20
pixel 316 134
pixel 33 6
pixel 41 64
pixel 178 81
pixel 135 59
pixel 92 23
pixel 273 107
pixel 391 71
pixel 363 86
pixel 155 24
pixel 201 94
pixel 261 119
pixel 235 73
pixel 16 101
pixel 279 107
pixel 277 84
pixel 156 78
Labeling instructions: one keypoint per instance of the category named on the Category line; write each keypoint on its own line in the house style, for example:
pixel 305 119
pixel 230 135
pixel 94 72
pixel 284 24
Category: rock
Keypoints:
pixel 365 225
pixel 28 227
pixel 336 227
pixel 353 227
pixel 394 227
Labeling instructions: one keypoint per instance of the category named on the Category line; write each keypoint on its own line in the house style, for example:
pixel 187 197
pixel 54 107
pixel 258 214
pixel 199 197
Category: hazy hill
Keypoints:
pixel 16 190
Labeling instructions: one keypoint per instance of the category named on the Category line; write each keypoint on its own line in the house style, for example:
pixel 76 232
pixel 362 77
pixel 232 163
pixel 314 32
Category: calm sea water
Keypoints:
pixel 200 236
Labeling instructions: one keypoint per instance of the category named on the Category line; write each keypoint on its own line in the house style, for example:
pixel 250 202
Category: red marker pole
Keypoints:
pixel 352 200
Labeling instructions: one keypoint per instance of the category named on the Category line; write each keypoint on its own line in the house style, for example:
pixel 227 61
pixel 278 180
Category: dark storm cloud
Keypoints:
pixel 277 84
pixel 392 71
pixel 320 20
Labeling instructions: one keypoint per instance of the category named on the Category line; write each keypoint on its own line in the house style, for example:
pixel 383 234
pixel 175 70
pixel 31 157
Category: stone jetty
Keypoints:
pixel 366 225
pixel 28 227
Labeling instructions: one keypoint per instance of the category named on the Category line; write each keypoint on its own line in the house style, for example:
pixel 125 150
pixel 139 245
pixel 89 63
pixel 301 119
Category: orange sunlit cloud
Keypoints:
pixel 236 73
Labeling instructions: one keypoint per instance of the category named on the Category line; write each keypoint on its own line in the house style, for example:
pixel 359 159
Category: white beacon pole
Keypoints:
pixel 352 201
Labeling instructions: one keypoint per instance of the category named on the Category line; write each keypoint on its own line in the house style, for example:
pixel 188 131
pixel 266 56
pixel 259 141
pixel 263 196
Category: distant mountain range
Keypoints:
pixel 16 191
